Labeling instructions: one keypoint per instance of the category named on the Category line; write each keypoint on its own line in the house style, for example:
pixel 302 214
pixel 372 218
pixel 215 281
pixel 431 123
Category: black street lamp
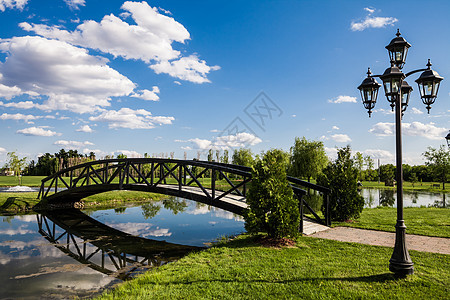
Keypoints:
pixel 448 139
pixel 397 92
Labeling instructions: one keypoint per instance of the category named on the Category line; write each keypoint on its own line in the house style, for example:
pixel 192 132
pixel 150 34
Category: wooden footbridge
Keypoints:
pixel 217 184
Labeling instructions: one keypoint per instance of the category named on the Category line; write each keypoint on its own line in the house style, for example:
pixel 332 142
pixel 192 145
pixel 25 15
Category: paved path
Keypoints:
pixel 383 238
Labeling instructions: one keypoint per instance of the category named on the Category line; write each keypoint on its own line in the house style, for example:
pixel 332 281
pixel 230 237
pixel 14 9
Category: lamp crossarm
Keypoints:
pixel 406 75
pixel 415 71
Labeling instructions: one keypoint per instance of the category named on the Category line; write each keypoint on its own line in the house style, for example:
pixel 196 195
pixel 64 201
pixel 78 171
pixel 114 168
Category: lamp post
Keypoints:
pixel 397 92
pixel 448 139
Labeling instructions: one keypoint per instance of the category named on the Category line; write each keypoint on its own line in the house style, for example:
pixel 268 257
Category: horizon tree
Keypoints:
pixel 308 158
pixel 439 161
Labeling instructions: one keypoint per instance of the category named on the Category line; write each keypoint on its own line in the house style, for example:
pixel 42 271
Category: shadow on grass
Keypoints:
pixel 14 201
pixel 379 278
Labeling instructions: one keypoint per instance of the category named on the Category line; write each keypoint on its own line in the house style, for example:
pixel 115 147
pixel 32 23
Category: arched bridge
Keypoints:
pixel 217 184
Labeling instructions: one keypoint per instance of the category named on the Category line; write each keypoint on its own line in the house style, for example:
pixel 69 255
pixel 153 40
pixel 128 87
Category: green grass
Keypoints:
pixel 418 220
pixel 26 180
pixel 20 203
pixel 314 269
pixel 408 186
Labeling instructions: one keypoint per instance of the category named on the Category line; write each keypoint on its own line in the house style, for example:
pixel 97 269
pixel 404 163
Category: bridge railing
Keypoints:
pixel 215 180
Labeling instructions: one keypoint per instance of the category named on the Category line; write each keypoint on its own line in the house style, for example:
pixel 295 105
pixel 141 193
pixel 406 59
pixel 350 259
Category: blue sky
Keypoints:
pixel 185 76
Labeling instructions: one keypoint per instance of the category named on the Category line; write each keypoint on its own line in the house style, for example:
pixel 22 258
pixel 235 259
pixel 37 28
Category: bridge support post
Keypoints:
pixel 300 198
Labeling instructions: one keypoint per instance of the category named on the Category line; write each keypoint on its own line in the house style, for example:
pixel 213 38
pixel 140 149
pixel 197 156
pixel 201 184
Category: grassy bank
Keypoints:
pixel 418 220
pixel 20 203
pixel 408 186
pixel 314 269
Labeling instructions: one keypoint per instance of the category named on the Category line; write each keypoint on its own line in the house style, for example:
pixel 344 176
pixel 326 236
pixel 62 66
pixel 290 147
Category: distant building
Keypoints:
pixel 6 172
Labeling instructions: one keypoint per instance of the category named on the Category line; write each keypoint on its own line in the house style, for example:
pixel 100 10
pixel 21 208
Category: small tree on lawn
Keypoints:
pixel 272 206
pixel 341 177
pixel 16 164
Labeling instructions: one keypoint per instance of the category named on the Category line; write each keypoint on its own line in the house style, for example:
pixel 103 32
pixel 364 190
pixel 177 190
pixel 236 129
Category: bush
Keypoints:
pixel 341 177
pixel 272 206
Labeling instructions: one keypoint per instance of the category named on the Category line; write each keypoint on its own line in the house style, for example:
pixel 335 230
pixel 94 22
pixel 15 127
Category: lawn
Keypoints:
pixel 418 220
pixel 19 203
pixel 313 269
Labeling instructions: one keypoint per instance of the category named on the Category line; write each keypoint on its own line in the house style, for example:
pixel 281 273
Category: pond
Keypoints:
pixel 388 197
pixel 80 254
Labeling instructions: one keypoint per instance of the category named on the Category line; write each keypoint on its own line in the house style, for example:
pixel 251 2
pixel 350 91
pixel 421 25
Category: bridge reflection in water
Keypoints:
pixel 105 249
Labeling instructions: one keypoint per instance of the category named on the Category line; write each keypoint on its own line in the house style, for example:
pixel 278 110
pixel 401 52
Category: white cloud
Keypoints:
pixel 238 140
pixel 2 150
pixel 201 144
pixel 186 68
pixel 341 138
pixel 128 153
pixel 429 131
pixel 69 77
pixel 369 10
pixel 147 94
pixel 379 154
pixel 85 128
pixel 72 144
pixel 75 4
pixel 416 111
pixel 335 128
pixel 20 105
pixel 177 82
pixel 132 119
pixel 19 4
pixel 37 131
pixel 17 117
pixel 150 40
pixel 372 22
pixel 343 99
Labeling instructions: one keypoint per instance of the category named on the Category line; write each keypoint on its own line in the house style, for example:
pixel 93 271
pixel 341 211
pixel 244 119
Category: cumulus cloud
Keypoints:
pixel 72 144
pixel 429 131
pixel 69 77
pixel 85 128
pixel 372 22
pixel 379 154
pixel 341 138
pixel 19 4
pixel 239 140
pixel 416 111
pixel 186 68
pixel 37 131
pixel 128 153
pixel 132 119
pixel 26 118
pixel 75 4
pixel 343 99
pixel 2 150
pixel 150 40
pixel 147 94
pixel 20 105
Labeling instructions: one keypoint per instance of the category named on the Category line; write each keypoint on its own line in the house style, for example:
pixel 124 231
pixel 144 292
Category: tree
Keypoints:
pixel 224 158
pixel 308 158
pixel 359 164
pixel 272 206
pixel 242 157
pixel 387 173
pixel 413 178
pixel 439 161
pixel 368 161
pixel 16 164
pixel 341 177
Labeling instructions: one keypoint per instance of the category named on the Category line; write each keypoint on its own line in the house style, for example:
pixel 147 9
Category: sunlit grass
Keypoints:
pixel 314 269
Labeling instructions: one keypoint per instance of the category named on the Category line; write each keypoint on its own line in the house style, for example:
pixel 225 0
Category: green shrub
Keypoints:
pixel 272 206
pixel 341 177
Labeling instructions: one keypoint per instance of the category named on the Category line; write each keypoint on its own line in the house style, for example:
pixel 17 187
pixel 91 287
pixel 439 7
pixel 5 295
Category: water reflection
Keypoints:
pixel 388 197
pixel 103 248
pixel 45 265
